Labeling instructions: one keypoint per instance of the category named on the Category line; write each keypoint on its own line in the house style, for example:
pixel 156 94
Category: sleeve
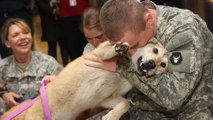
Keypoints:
pixel 54 67
pixel 3 89
pixel 171 89
pixel 89 47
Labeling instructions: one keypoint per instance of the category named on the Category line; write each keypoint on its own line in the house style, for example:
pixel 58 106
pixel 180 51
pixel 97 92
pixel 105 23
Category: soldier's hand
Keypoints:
pixel 10 99
pixel 94 61
pixel 48 78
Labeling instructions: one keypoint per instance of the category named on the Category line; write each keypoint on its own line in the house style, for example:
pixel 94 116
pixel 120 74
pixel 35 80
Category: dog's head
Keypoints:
pixel 151 59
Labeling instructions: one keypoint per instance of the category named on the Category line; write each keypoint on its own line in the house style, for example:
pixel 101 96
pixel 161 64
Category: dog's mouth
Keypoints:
pixel 144 67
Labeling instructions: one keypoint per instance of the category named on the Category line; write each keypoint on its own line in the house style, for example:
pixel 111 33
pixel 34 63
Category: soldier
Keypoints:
pixel 15 8
pixel 185 91
pixel 22 72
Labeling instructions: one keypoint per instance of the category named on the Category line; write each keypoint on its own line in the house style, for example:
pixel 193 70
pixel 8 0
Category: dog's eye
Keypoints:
pixel 155 50
pixel 163 64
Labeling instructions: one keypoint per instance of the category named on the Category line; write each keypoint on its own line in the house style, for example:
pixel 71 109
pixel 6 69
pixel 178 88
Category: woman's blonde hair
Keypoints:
pixel 90 19
pixel 13 21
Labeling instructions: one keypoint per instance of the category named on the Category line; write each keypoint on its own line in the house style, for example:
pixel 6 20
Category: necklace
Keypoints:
pixel 21 66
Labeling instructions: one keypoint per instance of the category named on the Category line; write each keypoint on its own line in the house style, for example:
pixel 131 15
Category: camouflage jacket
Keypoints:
pixel 27 83
pixel 188 86
pixel 89 47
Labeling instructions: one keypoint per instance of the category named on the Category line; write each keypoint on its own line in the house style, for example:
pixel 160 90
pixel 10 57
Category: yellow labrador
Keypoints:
pixel 79 87
pixel 151 59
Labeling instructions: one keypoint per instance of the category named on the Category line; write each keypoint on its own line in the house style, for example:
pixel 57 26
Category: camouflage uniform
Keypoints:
pixel 26 83
pixel 89 47
pixel 186 91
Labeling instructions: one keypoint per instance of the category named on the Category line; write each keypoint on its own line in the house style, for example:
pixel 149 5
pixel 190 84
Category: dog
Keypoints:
pixel 151 59
pixel 79 87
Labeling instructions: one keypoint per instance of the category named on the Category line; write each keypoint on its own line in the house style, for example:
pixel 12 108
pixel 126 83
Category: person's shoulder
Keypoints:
pixel 42 55
pixel 170 12
pixel 6 60
pixel 39 56
pixel 7 64
pixel 89 47
pixel 45 61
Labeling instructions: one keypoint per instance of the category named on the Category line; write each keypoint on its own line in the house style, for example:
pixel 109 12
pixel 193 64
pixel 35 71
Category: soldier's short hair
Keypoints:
pixel 120 16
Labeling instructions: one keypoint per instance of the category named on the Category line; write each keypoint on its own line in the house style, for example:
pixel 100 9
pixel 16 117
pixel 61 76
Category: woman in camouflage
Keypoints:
pixel 92 29
pixel 22 72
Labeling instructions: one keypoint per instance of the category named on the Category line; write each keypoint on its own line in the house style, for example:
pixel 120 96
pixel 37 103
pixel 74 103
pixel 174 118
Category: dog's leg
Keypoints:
pixel 119 106
pixel 110 53
pixel 117 49
pixel 124 87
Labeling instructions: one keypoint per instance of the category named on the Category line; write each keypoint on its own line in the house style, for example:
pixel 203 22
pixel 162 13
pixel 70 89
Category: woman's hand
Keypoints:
pixel 94 61
pixel 48 79
pixel 10 99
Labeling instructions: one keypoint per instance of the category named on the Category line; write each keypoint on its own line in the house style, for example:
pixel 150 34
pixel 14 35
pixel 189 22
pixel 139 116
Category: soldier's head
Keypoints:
pixel 127 21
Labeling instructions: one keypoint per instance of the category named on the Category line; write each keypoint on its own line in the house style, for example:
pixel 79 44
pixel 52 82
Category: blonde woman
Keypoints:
pixel 22 72
pixel 92 29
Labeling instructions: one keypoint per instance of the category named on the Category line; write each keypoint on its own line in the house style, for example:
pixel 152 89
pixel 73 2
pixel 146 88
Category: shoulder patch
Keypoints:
pixel 176 58
pixel 180 61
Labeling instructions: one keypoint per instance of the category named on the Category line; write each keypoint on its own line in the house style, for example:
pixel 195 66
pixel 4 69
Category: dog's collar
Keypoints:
pixel 29 104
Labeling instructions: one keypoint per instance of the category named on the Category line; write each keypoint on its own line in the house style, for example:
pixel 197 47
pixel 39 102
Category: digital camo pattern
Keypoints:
pixel 89 47
pixel 186 95
pixel 27 83
pixel 177 95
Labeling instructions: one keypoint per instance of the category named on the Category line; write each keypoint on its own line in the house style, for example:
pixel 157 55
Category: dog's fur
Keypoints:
pixel 79 87
pixel 151 59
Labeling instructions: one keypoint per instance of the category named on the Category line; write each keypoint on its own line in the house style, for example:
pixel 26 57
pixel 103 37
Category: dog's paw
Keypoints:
pixel 110 116
pixel 122 48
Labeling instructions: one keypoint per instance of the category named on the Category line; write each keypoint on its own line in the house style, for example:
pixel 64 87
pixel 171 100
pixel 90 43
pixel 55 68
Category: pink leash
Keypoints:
pixel 29 104
pixel 44 101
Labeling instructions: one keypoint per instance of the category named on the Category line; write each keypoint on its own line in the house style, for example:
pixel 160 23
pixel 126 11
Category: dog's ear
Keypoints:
pixel 153 41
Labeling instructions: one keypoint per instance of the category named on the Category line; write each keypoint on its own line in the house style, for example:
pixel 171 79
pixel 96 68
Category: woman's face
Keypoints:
pixel 19 40
pixel 94 36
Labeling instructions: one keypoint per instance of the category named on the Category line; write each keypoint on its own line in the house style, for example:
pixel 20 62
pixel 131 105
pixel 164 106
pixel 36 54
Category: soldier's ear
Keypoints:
pixel 147 16
pixel 148 19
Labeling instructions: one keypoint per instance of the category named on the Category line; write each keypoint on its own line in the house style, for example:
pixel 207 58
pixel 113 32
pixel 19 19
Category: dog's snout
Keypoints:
pixel 149 65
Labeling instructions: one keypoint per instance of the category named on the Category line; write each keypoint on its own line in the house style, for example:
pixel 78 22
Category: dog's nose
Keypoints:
pixel 149 65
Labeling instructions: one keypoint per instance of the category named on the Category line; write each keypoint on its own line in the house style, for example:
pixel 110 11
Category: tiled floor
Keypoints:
pixel 41 45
